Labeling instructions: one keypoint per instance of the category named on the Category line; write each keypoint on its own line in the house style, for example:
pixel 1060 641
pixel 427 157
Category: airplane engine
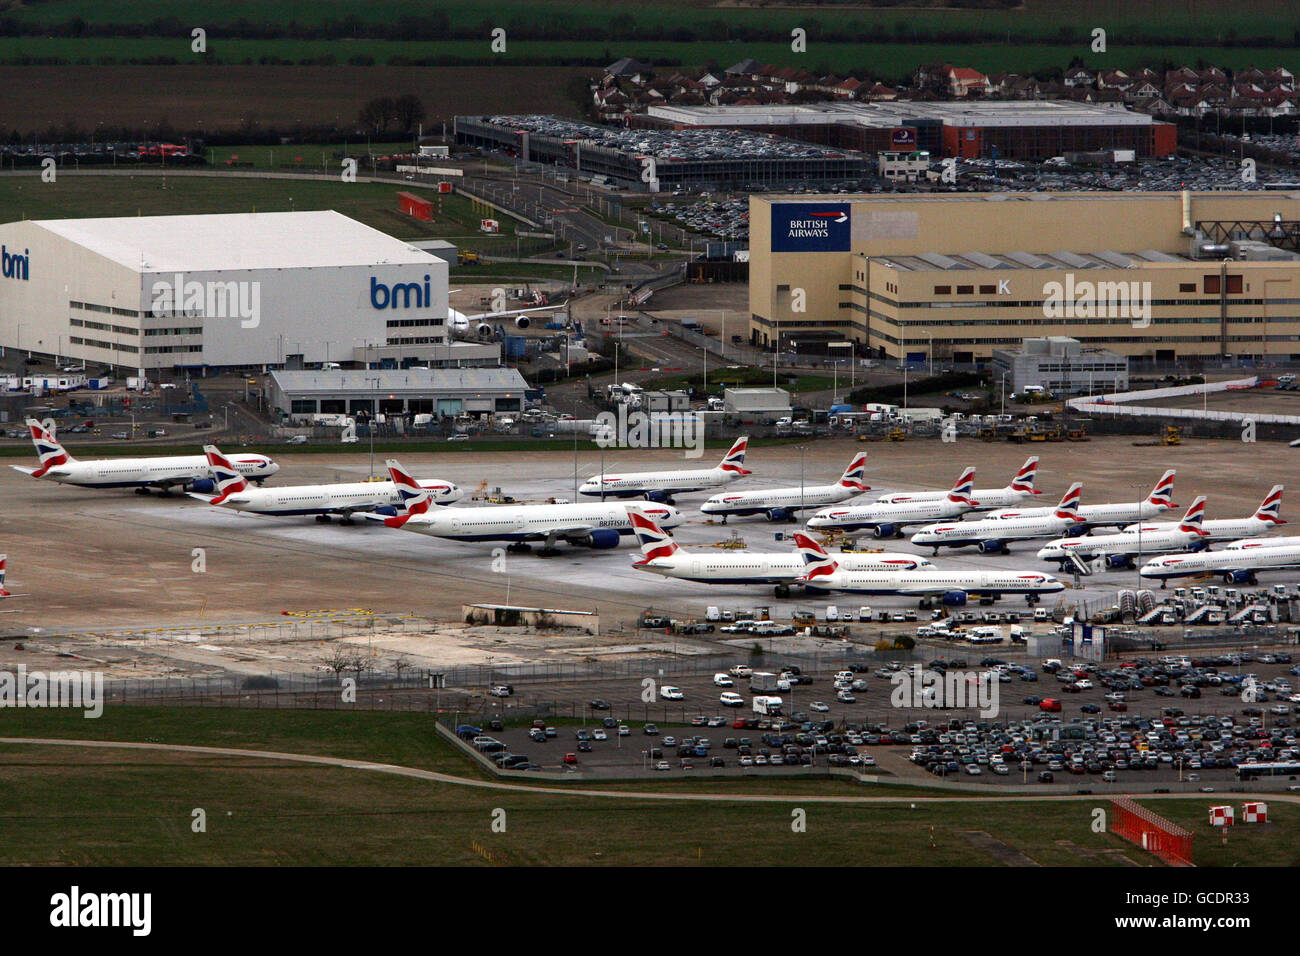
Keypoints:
pixel 991 547
pixel 886 531
pixel 1118 561
pixel 203 486
pixel 1198 545
pixel 483 330
pixel 954 598
pixel 1076 530
pixel 658 496
pixel 523 322
pixel 779 514
pixel 1239 577
pixel 603 538
pixel 386 510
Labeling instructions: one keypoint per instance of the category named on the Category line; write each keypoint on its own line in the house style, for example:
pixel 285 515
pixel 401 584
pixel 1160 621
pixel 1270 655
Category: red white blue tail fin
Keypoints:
pixel 1194 517
pixel 225 475
pixel 1162 495
pixel 817 563
pixel 50 453
pixel 1270 509
pixel 4 558
pixel 414 500
pixel 961 491
pixel 1069 506
pixel 734 460
pixel 655 541
pixel 1024 478
pixel 853 475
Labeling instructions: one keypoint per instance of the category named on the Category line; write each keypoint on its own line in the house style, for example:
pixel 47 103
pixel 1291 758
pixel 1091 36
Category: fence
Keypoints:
pixel 1133 822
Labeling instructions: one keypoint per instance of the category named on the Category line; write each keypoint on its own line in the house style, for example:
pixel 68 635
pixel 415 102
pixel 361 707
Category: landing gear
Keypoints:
pixel 519 547
pixel 322 519
pixel 1031 599
pixel 547 552
pixel 346 519
pixel 782 590
pixel 142 491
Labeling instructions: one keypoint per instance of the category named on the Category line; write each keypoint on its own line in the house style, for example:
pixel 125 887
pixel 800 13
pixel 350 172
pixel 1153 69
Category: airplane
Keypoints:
pixel 4 558
pixel 1118 514
pixel 1239 566
pixel 584 524
pixel 662 485
pixel 662 555
pixel 1121 548
pixel 1020 488
pixel 990 534
pixel 1265 519
pixel 460 322
pixel 188 471
pixel 886 520
pixel 344 499
pixel 954 588
pixel 780 504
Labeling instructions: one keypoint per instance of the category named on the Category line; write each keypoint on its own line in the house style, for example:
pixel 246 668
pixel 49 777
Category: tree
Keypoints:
pixel 408 111
pixel 378 114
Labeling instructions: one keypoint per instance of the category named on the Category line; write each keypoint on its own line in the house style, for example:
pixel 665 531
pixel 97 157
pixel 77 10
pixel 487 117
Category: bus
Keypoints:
pixel 1253 771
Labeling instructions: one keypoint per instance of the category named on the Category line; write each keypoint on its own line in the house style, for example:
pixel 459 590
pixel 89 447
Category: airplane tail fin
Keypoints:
pixel 4 558
pixel 961 491
pixel 1163 493
pixel 1024 478
pixel 817 563
pixel 655 541
pixel 853 475
pixel 48 450
pixel 1192 521
pixel 734 460
pixel 1069 506
pixel 414 499
pixel 226 476
pixel 1270 509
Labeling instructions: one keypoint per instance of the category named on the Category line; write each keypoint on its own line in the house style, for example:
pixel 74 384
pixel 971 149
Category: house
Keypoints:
pixel 964 81
pixel 1078 77
pixel 1114 80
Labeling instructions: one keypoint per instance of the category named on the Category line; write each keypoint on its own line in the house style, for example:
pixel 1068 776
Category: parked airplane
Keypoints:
pixel 991 533
pixel 886 520
pixel 189 472
pixel 953 587
pixel 781 504
pixel 662 485
pixel 662 555
pixel 1020 488
pixel 586 524
pixel 1265 519
pixel 383 497
pixel 4 558
pixel 1159 501
pixel 1238 566
pixel 1120 549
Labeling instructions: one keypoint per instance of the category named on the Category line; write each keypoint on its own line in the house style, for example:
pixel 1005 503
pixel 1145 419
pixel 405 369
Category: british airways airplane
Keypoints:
pixel 662 485
pixel 1020 488
pixel 583 524
pixel 662 555
pixel 888 520
pixel 1266 517
pixel 344 499
pixel 780 504
pixel 186 471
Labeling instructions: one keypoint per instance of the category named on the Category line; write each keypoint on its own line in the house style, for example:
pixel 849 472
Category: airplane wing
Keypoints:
pixel 538 308
pixel 206 499
pixel 23 469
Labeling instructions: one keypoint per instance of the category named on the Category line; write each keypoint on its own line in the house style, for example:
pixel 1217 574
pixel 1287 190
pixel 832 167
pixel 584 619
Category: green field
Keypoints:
pixel 310 158
pixel 94 807
pixel 375 204
pixel 889 60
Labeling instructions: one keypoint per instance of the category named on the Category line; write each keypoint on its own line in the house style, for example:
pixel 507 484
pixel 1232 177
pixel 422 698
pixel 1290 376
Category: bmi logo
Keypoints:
pixel 411 294
pixel 13 265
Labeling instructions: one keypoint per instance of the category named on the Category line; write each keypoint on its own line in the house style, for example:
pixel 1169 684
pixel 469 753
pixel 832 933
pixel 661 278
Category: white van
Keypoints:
pixel 832 613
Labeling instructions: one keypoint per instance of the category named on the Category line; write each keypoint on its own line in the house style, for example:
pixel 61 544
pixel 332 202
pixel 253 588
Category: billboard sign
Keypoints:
pixel 903 138
pixel 810 227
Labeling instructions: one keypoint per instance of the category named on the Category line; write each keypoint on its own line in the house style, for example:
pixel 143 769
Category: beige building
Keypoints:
pixel 1153 276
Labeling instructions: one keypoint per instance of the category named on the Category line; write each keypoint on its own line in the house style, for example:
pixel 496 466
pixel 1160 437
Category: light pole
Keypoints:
pixel 374 414
pixel 1004 393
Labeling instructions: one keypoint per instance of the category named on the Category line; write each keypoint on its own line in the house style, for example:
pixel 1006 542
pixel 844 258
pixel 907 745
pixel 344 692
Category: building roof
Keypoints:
pixel 1019 260
pixel 262 240
pixel 362 382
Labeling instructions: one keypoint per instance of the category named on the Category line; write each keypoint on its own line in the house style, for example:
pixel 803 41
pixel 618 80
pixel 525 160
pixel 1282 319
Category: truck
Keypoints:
pixel 761 681
pixel 767 706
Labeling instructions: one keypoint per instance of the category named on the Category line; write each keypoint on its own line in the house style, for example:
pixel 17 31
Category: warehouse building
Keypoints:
pixel 1015 129
pixel 1062 366
pixel 441 392
pixel 204 292
pixel 1160 277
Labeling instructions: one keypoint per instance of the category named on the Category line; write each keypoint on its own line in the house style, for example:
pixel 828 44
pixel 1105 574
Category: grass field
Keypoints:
pixel 312 158
pixel 93 807
pixel 71 196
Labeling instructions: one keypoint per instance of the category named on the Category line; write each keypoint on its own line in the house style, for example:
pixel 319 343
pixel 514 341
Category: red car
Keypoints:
pixel 1049 704
pixel 570 758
